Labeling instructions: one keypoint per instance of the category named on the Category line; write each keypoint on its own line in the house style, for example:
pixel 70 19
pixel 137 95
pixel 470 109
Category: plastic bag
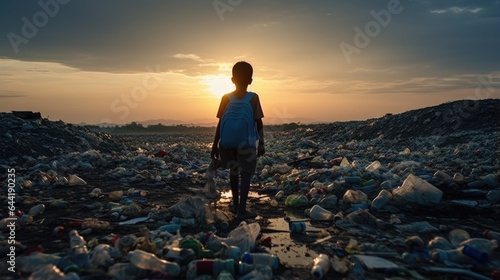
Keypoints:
pixel 210 185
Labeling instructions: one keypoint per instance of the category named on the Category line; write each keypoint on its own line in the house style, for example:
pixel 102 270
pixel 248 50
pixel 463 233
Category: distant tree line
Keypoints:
pixel 135 127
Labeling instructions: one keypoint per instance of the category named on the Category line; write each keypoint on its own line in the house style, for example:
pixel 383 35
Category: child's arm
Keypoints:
pixel 215 146
pixel 260 129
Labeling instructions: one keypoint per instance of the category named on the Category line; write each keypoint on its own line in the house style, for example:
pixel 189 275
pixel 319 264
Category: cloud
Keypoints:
pixel 457 10
pixel 189 56
pixel 11 94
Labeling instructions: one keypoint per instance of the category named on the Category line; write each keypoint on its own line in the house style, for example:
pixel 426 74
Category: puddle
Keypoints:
pixel 225 197
pixel 290 247
pixel 286 244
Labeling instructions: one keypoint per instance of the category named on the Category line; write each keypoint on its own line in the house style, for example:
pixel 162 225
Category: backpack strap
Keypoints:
pixel 246 99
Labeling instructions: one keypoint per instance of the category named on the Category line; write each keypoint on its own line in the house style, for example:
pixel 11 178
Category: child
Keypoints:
pixel 241 159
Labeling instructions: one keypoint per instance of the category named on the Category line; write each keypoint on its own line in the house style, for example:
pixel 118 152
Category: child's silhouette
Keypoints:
pixel 240 161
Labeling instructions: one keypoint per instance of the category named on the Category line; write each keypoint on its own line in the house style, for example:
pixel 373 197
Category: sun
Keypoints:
pixel 218 85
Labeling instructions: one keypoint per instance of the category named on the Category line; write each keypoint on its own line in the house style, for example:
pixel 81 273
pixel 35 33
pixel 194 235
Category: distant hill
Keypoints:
pixel 444 119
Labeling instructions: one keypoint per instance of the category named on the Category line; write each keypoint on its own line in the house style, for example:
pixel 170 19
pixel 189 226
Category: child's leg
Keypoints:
pixel 233 180
pixel 245 189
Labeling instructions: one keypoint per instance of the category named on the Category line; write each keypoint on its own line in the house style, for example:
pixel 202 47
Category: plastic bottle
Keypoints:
pixel 261 258
pixel 213 242
pixel 476 254
pixel 35 261
pixel 481 244
pixel 297 226
pixel 279 194
pixel 319 213
pixel 75 239
pixel 179 255
pixel 383 197
pixel 125 243
pixel 462 255
pixel 439 242
pixel 211 267
pixel 172 228
pixel 36 210
pixel 124 270
pixel 493 235
pixel 373 166
pixel 321 265
pixel 273 203
pixel 145 260
pixel 457 236
pixel 197 247
pixel 261 272
pixel 296 200
pixel 352 179
pixel 225 275
pixel 47 272
pixel 79 250
pixel 414 243
pixel 101 256
pixel 191 222
pixel 230 252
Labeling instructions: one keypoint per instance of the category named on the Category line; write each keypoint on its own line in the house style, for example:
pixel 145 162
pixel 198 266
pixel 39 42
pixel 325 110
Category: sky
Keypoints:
pixel 118 61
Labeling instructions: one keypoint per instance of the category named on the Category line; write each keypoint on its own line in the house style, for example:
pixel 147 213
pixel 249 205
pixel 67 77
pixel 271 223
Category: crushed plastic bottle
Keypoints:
pixel 417 191
pixel 145 260
pixel 319 213
pixel 373 166
pixel 354 197
pixel 261 258
pixel 382 199
pixel 321 266
pixel 74 180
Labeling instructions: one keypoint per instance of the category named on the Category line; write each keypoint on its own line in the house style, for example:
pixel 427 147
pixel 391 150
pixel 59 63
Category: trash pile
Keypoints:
pixel 407 196
pixel 36 138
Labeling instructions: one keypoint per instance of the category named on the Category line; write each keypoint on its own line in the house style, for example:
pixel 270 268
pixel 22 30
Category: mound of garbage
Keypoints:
pixel 43 138
pixel 446 119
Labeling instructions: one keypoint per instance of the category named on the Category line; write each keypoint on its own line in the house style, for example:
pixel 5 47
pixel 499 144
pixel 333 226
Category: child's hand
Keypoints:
pixel 215 152
pixel 261 150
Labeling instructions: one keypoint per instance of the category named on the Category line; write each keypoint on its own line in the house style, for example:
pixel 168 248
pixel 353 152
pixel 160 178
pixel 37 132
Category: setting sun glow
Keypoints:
pixel 218 85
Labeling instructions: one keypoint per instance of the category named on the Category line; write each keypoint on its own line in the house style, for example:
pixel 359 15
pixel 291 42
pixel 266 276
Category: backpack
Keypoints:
pixel 238 129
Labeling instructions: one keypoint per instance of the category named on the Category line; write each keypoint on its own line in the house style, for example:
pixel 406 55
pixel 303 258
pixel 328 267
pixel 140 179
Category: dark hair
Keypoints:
pixel 243 71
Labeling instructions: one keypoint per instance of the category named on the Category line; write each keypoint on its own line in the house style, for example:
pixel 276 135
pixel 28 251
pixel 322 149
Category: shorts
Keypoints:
pixel 239 159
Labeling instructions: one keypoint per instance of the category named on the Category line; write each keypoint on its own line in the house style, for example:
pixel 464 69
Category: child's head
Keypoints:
pixel 242 73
